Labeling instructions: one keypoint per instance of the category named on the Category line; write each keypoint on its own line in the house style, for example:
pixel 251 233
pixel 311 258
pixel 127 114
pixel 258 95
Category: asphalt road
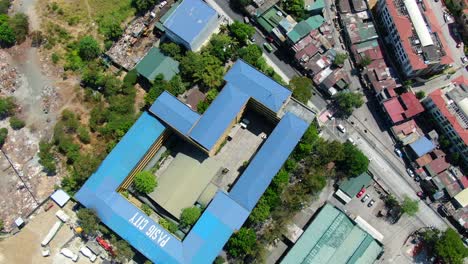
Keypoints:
pixel 386 168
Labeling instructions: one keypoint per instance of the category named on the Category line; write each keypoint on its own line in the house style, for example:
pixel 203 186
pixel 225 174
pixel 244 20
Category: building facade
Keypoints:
pixel 414 37
pixel 450 111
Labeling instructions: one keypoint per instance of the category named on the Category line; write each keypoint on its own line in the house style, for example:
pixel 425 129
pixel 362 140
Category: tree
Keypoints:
pixel 202 68
pixel 365 61
pixel 302 88
pixel 222 47
pixel 329 151
pixel 7 34
pixel 347 101
pixel 172 49
pixel 145 182
pixel 143 5
pixel 241 31
pixel 122 250
pixel 16 123
pixel 295 8
pixel 189 216
pixel 410 206
pixel 354 162
pixel 420 95
pixel 261 212
pixel 46 157
pixel 450 247
pixel 3 136
pixel 20 25
pixel 340 59
pixel 88 48
pixel 219 260
pixel 4 6
pixel 251 53
pixel 88 220
pixel 242 243
pixel 110 28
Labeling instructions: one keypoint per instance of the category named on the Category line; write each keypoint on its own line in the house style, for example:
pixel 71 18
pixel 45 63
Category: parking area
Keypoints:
pixel 394 235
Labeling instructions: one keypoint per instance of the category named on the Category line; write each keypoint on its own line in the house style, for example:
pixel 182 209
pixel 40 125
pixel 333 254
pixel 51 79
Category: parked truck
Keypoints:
pixel 55 228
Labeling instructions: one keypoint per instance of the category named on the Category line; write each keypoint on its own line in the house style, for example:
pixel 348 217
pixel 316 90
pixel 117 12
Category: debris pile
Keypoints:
pixel 49 99
pixel 9 77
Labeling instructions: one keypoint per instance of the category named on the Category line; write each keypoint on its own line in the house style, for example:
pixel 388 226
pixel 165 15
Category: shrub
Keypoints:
pixel 146 209
pixel 16 123
pixel 168 225
pixel 3 136
pixel 83 135
pixel 420 95
pixel 55 58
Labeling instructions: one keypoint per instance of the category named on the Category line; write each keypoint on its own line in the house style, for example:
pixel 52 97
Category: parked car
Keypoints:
pixel 464 59
pixel 69 254
pixel 244 123
pixel 361 192
pixel 420 194
pixel 162 4
pixel 459 44
pixel 87 253
pixel 268 47
pixel 417 178
pixel 269 39
pixel 246 20
pixel 447 17
pixel 371 203
pixel 365 198
pixel 350 140
pixel 410 172
pixel 330 116
pixel 341 128
pixel 398 152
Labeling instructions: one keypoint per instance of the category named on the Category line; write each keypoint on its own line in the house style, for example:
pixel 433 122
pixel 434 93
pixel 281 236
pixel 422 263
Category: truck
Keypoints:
pixel 87 253
pixel 69 254
pixel 62 216
pixel 55 228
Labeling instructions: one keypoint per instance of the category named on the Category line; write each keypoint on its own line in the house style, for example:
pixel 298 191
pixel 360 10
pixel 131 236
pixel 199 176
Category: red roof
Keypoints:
pixel 464 181
pixel 406 128
pixel 439 101
pixel 424 160
pixel 460 80
pixel 394 110
pixel 405 30
pixel 438 165
pixel 412 104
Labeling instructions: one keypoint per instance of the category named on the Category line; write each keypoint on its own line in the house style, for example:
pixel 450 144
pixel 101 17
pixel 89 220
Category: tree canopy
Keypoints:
pixel 241 31
pixel 172 49
pixel 340 58
pixel 450 247
pixel 302 88
pixel 122 249
pixel 410 206
pixel 242 243
pixel 7 34
pixel 7 106
pixel 88 220
pixel 354 161
pixel 88 48
pixel 145 182
pixel 250 53
pixel 204 69
pixel 20 25
pixel 261 211
pixel 295 8
pixel 143 5
pixel 347 101
pixel 222 47
pixel 190 215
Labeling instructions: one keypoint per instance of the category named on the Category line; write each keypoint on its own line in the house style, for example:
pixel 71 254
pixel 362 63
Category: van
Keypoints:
pixel 268 47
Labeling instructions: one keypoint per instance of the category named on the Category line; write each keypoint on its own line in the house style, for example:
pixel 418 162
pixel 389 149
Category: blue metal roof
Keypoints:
pixel 257 85
pixel 189 19
pixel 268 161
pixel 422 146
pixel 218 116
pixel 174 113
pixel 225 214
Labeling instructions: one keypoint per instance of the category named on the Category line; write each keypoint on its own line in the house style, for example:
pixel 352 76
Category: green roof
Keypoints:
pixel 270 18
pixel 305 27
pixel 317 5
pixel 351 186
pixel 155 63
pixel 333 238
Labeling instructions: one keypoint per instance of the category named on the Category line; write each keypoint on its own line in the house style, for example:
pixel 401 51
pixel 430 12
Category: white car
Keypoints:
pixel 330 116
pixel 350 140
pixel 244 123
pixel 410 172
pixel 464 59
pixel 341 128
pixel 162 4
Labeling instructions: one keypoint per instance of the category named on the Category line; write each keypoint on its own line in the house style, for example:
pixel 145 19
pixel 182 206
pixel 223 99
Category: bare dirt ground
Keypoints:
pixel 41 95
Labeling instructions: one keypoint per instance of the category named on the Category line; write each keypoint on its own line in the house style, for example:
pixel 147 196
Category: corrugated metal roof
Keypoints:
pixel 352 185
pixel 174 113
pixel 189 19
pixel 418 22
pixel 267 162
pixel 422 146
pixel 218 116
pixel 350 243
pixel 305 27
pixel 155 63
pixel 257 85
